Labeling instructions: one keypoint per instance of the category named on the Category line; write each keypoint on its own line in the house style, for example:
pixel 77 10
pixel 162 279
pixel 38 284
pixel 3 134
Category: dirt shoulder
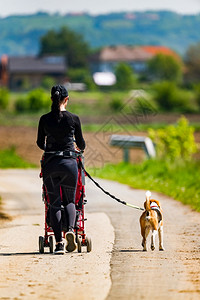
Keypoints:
pixel 97 153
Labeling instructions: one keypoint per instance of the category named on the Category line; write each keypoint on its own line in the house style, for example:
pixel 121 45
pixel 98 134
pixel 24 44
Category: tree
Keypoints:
pixel 165 67
pixel 68 43
pixel 124 76
pixel 192 62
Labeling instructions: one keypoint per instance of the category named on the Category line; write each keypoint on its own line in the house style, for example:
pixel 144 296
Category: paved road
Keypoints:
pixel 172 274
pixel 117 268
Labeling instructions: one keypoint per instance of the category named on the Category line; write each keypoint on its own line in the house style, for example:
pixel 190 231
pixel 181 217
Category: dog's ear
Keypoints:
pixel 158 203
pixel 145 205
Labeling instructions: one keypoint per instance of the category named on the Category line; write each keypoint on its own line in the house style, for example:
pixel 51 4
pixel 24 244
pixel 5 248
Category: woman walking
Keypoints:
pixel 56 132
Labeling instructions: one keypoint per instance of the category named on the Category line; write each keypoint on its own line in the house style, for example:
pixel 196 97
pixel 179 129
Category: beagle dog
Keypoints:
pixel 151 220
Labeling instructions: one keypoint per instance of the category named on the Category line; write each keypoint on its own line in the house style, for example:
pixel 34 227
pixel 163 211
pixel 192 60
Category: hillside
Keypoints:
pixel 20 35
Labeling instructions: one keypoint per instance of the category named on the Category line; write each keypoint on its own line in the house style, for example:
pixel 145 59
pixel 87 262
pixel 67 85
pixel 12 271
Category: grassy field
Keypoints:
pixel 177 180
pixel 9 159
pixel 87 104
pixel 31 120
pixel 135 108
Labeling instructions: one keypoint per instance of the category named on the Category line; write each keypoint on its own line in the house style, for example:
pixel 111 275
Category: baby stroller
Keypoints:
pixel 80 201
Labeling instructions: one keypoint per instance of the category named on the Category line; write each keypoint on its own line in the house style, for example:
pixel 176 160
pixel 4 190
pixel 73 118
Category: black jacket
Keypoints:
pixel 54 135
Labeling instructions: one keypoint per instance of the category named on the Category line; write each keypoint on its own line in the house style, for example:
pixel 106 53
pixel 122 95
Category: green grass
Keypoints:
pixel 23 119
pixel 114 127
pixel 32 119
pixel 9 159
pixel 86 104
pixel 177 180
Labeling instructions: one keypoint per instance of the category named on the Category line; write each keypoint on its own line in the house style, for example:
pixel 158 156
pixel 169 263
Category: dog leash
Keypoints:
pixel 107 193
pixel 95 182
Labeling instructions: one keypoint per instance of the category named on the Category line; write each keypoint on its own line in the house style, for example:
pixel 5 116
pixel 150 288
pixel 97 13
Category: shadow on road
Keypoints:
pixel 129 250
pixel 23 253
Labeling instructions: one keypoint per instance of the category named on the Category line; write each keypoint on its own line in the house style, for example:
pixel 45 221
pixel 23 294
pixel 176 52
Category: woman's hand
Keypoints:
pixel 77 149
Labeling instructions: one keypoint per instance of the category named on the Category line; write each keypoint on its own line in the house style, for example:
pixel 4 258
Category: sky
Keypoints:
pixel 18 7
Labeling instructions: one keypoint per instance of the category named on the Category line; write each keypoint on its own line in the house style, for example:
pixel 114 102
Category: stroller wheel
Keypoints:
pixel 89 244
pixel 51 244
pixel 79 244
pixel 41 244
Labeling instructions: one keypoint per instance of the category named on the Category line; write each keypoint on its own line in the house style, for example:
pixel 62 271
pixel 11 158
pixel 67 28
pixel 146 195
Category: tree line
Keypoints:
pixel 20 35
pixel 161 67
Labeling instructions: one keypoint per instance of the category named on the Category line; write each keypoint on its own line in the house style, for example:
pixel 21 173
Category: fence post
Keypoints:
pixel 126 154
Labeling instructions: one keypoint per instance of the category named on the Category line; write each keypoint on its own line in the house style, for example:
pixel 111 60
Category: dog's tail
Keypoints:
pixel 148 196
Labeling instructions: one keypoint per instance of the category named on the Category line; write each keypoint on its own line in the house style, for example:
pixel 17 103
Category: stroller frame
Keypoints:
pixel 80 201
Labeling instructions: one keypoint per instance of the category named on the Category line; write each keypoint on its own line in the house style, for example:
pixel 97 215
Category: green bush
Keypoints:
pixel 144 106
pixel 35 100
pixel 116 103
pixel 4 98
pixel 175 142
pixel 38 99
pixel 183 102
pixel 171 98
pixel 22 104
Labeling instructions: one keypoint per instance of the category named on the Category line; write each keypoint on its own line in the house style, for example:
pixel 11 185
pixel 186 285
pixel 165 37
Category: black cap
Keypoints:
pixel 60 89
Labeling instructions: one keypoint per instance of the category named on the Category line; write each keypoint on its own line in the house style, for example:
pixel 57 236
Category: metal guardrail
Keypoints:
pixel 126 142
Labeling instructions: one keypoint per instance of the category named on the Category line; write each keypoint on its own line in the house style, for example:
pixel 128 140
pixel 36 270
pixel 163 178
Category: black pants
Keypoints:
pixel 61 174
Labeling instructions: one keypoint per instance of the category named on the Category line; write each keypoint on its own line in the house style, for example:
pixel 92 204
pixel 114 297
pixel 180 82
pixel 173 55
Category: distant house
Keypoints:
pixel 16 72
pixel 107 58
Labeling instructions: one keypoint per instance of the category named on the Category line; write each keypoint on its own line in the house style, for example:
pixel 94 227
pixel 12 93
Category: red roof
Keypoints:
pixel 122 53
pixel 160 50
pixel 131 53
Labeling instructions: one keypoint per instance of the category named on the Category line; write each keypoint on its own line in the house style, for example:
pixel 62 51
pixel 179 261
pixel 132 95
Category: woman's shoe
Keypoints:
pixel 70 238
pixel 59 249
